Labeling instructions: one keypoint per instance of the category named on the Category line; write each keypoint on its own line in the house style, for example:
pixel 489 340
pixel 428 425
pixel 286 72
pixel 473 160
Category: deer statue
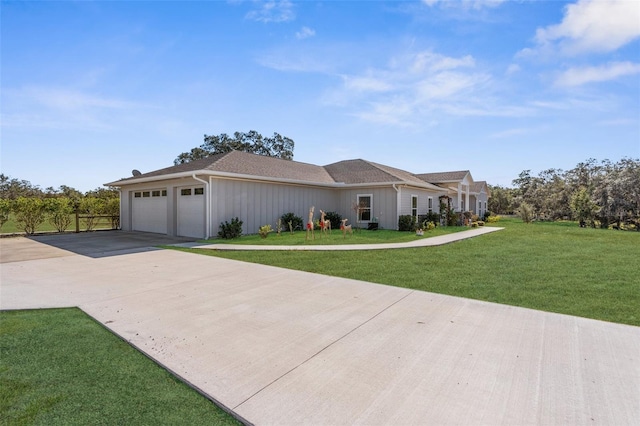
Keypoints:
pixel 345 228
pixel 310 224
pixel 325 224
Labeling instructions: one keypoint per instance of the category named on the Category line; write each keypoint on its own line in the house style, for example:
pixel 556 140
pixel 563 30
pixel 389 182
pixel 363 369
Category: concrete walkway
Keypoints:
pixel 419 242
pixel 283 347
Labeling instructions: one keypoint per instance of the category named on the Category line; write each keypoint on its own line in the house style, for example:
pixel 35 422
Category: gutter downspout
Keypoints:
pixel 207 206
pixel 398 201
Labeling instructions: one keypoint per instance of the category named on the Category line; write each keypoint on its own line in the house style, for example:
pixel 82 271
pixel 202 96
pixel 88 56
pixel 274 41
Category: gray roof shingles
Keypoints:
pixel 348 171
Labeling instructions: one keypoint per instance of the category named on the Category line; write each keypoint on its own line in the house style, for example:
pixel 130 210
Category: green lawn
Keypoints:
pixel 58 366
pixel 359 236
pixel 555 267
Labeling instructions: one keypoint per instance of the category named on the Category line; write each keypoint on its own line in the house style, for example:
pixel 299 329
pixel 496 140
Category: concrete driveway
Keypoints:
pixel 275 346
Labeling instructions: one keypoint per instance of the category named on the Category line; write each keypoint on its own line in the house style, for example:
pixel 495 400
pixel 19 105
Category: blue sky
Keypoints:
pixel 92 90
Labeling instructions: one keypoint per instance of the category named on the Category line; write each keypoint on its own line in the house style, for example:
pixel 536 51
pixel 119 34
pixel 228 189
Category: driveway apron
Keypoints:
pixel 276 346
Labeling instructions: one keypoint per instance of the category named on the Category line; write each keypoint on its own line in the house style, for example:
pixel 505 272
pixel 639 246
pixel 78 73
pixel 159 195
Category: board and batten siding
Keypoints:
pixel 384 204
pixel 423 200
pixel 261 203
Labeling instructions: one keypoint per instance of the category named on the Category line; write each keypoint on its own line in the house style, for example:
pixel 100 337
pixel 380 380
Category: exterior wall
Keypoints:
pixel 258 204
pixel 423 195
pixel 173 192
pixel 383 204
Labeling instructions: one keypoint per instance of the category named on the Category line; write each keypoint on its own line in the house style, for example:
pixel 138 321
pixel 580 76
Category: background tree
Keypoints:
pixel 252 141
pixel 59 211
pixel 583 207
pixel 501 200
pixel 30 213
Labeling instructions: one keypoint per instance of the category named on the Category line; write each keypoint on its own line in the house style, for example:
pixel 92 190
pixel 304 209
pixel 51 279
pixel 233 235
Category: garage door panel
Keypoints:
pixel 191 212
pixel 149 213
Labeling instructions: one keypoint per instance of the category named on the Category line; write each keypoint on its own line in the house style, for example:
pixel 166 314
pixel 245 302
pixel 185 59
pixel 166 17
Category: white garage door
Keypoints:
pixel 191 212
pixel 149 211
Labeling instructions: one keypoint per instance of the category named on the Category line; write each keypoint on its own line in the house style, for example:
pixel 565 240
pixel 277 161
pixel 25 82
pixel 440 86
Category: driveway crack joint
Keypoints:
pixel 324 348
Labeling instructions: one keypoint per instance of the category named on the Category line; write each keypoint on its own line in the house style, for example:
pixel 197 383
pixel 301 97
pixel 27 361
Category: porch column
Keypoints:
pixel 466 199
pixel 459 207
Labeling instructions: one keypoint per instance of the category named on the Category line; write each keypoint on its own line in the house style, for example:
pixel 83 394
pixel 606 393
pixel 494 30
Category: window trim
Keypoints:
pixel 361 212
pixel 414 210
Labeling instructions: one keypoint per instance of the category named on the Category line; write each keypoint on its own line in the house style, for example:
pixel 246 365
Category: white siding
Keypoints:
pixel 191 212
pixel 257 204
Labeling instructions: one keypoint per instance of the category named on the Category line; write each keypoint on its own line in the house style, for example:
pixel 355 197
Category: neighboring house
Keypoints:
pixel 192 199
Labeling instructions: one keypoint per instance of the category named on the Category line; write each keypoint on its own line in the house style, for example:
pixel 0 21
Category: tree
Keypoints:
pixel 584 209
pixel 526 212
pixel 30 213
pixel 252 141
pixel 59 211
pixel 5 211
pixel 11 189
pixel 501 200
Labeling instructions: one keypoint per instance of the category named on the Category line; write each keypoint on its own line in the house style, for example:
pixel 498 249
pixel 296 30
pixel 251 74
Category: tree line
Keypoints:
pixel 594 193
pixel 30 206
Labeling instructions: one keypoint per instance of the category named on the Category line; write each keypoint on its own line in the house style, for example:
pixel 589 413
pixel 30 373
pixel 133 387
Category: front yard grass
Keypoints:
pixel 556 267
pixel 58 366
pixel 359 236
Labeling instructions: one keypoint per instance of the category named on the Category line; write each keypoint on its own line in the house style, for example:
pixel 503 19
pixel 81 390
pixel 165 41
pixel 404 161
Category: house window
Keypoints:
pixel 364 207
pixel 155 193
pixel 146 194
pixel 198 191
pixel 186 191
pixel 414 206
pixel 137 194
pixel 430 204
pixel 461 205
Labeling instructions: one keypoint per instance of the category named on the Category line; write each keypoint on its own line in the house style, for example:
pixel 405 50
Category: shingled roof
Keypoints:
pixel 361 171
pixel 244 163
pixel 443 177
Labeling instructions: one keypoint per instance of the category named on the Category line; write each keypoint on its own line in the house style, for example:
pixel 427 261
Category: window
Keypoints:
pixel 146 194
pixel 462 205
pixel 137 194
pixel 414 206
pixel 198 191
pixel 164 192
pixel 430 205
pixel 155 193
pixel 364 208
pixel 186 191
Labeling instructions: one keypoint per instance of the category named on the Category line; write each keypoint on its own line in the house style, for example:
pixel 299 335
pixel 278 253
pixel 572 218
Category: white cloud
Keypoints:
pixel 512 69
pixel 273 11
pixel 585 75
pixel 366 84
pixel 590 26
pixel 305 32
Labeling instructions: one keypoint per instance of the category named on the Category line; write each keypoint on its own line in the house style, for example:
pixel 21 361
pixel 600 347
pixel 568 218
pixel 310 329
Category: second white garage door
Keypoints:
pixel 191 212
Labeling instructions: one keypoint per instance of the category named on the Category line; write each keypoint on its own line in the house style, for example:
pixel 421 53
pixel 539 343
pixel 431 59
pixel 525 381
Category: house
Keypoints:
pixel 192 199
pixel 465 193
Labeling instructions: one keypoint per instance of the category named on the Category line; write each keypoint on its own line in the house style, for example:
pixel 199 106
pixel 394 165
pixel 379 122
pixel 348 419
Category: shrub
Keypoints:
pixel 453 218
pixel 292 221
pixel 526 213
pixel 5 210
pixel 112 208
pixel 231 230
pixel 428 225
pixel 335 219
pixel 493 219
pixel 91 207
pixel 59 211
pixel 30 213
pixel 264 231
pixel 407 223
pixel 487 215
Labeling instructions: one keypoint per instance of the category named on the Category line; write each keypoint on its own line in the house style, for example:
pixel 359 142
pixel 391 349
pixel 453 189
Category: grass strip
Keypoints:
pixel 59 366
pixel 359 236
pixel 555 267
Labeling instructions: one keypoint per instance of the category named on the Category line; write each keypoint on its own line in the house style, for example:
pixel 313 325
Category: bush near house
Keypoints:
pixel 230 230
pixel 291 221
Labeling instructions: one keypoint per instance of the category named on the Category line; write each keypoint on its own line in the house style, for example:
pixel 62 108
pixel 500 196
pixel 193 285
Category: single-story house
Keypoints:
pixel 193 199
